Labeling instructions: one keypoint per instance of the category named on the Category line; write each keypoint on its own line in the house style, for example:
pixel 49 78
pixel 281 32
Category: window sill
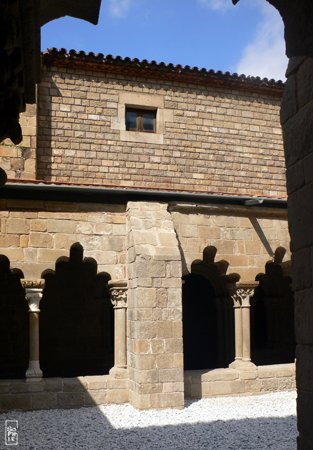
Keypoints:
pixel 142 137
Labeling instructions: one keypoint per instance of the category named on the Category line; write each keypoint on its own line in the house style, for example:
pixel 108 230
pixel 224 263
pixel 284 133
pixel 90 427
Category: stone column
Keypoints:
pixel 241 299
pixel 297 121
pixel 118 293
pixel 33 291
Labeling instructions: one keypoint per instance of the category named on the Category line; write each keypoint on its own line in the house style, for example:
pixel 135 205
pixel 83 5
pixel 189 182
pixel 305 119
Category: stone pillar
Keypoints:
pixel 155 332
pixel 33 291
pixel 118 293
pixel 297 121
pixel 241 299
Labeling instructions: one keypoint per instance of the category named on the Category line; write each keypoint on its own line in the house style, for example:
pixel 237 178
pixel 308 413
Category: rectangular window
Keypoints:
pixel 141 120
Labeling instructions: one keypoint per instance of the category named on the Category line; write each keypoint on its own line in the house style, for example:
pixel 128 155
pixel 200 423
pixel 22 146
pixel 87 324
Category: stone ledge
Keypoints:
pixel 51 393
pixel 264 379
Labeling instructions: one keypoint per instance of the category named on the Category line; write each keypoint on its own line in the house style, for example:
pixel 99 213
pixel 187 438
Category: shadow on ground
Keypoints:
pixel 89 428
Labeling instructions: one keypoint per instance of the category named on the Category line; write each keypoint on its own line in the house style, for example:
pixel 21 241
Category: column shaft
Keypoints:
pixel 33 296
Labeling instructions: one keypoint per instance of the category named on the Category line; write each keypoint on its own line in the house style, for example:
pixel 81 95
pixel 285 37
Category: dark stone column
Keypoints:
pixel 297 122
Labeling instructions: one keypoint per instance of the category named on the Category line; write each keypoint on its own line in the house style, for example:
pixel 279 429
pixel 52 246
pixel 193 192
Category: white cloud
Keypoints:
pixel 216 5
pixel 265 56
pixel 118 8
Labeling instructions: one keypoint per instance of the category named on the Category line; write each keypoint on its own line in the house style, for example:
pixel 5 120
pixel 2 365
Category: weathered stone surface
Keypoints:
pixel 152 321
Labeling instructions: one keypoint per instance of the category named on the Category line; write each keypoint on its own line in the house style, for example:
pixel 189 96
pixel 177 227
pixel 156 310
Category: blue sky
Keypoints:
pixel 213 34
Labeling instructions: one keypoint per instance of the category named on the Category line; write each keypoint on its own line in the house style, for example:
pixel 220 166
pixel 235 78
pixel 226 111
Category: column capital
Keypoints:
pixel 33 293
pixel 118 293
pixel 242 294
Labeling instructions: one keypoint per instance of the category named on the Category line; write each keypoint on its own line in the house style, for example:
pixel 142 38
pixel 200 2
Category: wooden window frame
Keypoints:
pixel 139 119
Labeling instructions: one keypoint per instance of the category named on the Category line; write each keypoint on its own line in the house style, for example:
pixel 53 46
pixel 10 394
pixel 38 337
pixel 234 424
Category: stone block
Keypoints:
pixel 70 399
pixel 167 239
pixel 53 384
pixel 142 346
pixel 220 375
pixel 248 375
pixel 144 330
pixel 61 226
pixel 304 88
pixel 158 346
pixel 289 100
pixel 23 386
pixel 117 383
pixel 146 376
pixel 302 269
pixel 17 226
pixel 253 386
pixel 172 400
pixel 24 240
pixel 300 218
pixel 298 136
pixel 286 384
pixel 40 240
pixel 269 385
pixel 10 240
pixel 5 386
pixel 118 396
pixel 96 397
pixel 150 388
pixel 173 387
pixel 10 402
pixel 96 382
pixel 154 269
pixel 304 316
pixel 45 400
pixel 47 255
pixel 170 375
pixel 145 362
pixel 74 384
pixel 171 360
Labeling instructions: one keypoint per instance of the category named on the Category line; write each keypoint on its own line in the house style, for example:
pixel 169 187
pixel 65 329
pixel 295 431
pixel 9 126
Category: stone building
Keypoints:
pixel 145 222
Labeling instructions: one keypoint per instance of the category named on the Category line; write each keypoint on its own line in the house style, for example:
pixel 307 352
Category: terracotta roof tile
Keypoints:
pixel 152 69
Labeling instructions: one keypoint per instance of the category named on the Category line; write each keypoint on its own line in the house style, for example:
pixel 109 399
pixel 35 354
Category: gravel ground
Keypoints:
pixel 228 423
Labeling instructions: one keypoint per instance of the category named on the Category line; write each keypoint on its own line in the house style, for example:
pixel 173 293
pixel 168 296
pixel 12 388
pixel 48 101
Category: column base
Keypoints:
pixel 119 372
pixel 240 364
pixel 33 372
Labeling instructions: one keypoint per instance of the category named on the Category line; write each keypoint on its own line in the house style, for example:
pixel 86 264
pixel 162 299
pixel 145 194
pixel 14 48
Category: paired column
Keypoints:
pixel 33 295
pixel 118 294
pixel 241 299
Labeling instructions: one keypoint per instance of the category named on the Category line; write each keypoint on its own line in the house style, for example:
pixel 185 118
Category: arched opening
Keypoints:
pixel 14 323
pixel 208 317
pixel 272 314
pixel 200 328
pixel 76 322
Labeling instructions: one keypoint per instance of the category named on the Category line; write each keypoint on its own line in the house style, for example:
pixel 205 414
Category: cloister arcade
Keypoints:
pixel 71 311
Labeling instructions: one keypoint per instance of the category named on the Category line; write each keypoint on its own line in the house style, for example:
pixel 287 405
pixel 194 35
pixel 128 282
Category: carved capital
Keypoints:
pixel 33 284
pixel 33 297
pixel 241 297
pixel 118 293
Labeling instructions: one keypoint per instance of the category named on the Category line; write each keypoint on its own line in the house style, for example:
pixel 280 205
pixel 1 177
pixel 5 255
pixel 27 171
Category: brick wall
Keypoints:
pixel 34 234
pixel 208 140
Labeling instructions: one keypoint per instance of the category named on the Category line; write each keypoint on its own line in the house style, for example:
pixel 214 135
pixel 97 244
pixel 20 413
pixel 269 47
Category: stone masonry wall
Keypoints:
pixel 208 139
pixel 155 345
pixel 19 161
pixel 243 236
pixel 34 234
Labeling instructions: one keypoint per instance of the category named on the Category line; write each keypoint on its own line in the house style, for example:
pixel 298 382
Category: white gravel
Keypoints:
pixel 228 423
